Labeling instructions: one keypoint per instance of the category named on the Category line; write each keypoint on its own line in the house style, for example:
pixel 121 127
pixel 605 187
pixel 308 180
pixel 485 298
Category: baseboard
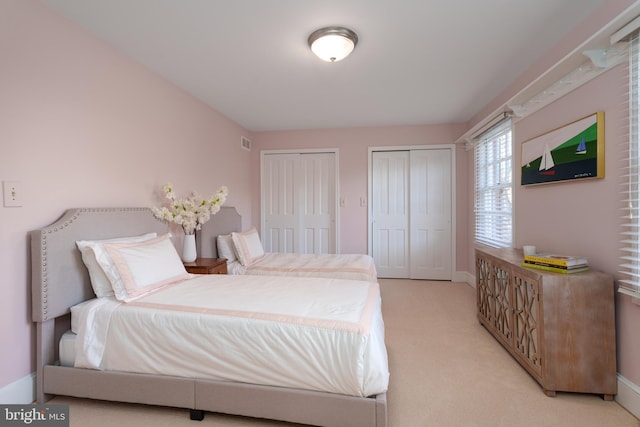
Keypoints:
pixel 19 392
pixel 628 396
pixel 466 277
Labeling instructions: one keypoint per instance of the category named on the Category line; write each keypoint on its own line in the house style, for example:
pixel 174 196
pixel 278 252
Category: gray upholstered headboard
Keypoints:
pixel 59 279
pixel 224 222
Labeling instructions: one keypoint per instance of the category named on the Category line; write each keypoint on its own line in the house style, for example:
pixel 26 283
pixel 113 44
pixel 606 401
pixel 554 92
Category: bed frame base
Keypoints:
pixel 200 395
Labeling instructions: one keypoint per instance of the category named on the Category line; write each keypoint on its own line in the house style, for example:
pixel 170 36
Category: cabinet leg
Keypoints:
pixel 607 397
pixel 550 393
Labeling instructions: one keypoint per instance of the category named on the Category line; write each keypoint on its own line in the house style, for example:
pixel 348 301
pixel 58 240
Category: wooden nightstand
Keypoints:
pixel 207 266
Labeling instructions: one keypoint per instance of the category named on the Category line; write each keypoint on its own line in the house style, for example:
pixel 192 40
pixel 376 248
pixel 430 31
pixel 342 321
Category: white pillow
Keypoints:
pixel 91 250
pixel 141 268
pixel 226 248
pixel 248 246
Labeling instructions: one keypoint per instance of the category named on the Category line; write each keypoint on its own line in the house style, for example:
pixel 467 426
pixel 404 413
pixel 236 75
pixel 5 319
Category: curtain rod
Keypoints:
pixel 490 123
pixel 624 32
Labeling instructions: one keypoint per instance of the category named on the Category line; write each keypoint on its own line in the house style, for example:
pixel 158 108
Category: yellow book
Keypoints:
pixel 555 269
pixel 555 259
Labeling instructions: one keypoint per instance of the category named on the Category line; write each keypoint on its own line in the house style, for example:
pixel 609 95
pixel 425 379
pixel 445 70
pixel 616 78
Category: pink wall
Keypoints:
pixel 83 126
pixel 353 147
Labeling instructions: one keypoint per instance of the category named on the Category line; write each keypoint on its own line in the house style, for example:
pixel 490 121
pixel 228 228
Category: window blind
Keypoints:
pixel 494 186
pixel 630 242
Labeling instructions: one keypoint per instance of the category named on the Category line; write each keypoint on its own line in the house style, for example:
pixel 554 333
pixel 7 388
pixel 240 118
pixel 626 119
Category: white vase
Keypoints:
pixel 189 253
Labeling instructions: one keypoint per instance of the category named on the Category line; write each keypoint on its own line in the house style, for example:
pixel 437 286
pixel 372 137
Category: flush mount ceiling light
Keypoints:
pixel 332 44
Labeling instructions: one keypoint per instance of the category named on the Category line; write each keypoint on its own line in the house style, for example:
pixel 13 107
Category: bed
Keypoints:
pixel 222 237
pixel 60 282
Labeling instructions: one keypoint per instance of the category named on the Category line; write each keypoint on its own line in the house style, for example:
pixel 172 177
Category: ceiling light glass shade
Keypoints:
pixel 332 44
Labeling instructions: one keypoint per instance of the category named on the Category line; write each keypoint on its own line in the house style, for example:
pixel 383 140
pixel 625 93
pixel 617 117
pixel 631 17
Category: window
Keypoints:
pixel 494 189
pixel 630 243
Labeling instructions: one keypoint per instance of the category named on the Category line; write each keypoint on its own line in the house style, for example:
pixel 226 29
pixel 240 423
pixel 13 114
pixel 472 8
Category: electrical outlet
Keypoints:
pixel 12 191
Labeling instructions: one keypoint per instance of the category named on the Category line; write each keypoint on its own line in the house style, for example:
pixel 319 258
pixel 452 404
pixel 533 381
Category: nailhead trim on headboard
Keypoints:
pixel 45 287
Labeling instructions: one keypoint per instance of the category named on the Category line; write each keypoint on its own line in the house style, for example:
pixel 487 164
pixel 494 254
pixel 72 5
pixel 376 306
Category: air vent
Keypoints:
pixel 245 143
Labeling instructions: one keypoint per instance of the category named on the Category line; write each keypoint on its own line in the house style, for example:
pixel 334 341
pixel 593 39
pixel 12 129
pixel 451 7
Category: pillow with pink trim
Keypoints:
pixel 92 250
pixel 141 268
pixel 248 246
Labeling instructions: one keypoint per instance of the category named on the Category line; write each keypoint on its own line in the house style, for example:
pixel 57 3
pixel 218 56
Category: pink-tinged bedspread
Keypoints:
pixel 339 266
pixel 306 333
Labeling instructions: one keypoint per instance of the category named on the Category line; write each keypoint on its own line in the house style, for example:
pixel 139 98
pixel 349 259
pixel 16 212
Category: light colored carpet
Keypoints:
pixel 446 370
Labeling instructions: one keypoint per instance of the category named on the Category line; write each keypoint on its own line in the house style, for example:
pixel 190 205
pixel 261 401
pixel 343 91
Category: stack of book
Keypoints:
pixel 556 263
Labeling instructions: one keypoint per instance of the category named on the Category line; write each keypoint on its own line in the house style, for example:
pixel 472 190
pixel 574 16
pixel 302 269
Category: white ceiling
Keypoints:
pixel 417 61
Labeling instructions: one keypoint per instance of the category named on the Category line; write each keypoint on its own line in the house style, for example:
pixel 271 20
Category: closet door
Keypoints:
pixel 411 213
pixel 280 212
pixel 430 214
pixel 318 204
pixel 390 212
pixel 299 202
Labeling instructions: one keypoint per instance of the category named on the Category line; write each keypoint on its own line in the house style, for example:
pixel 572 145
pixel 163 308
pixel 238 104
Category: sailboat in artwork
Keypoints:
pixel 582 147
pixel 546 162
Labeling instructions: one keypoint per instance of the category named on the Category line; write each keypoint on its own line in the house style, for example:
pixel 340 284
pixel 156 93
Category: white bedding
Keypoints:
pixel 66 349
pixel 339 266
pixel 306 333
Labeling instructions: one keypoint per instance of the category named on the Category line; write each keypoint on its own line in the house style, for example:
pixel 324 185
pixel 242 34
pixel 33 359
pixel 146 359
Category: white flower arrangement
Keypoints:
pixel 191 212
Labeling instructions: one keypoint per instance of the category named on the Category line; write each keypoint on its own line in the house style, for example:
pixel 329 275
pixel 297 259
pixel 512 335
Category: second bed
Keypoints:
pixel 222 238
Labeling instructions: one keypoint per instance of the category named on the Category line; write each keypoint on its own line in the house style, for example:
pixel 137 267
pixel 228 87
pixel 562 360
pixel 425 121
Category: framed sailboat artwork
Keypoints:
pixel 572 152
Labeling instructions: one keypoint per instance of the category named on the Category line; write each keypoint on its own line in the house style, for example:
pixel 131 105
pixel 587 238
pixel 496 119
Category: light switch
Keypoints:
pixel 12 191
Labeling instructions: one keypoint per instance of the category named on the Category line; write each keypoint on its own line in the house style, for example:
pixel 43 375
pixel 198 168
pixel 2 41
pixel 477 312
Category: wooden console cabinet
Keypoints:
pixel 559 327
